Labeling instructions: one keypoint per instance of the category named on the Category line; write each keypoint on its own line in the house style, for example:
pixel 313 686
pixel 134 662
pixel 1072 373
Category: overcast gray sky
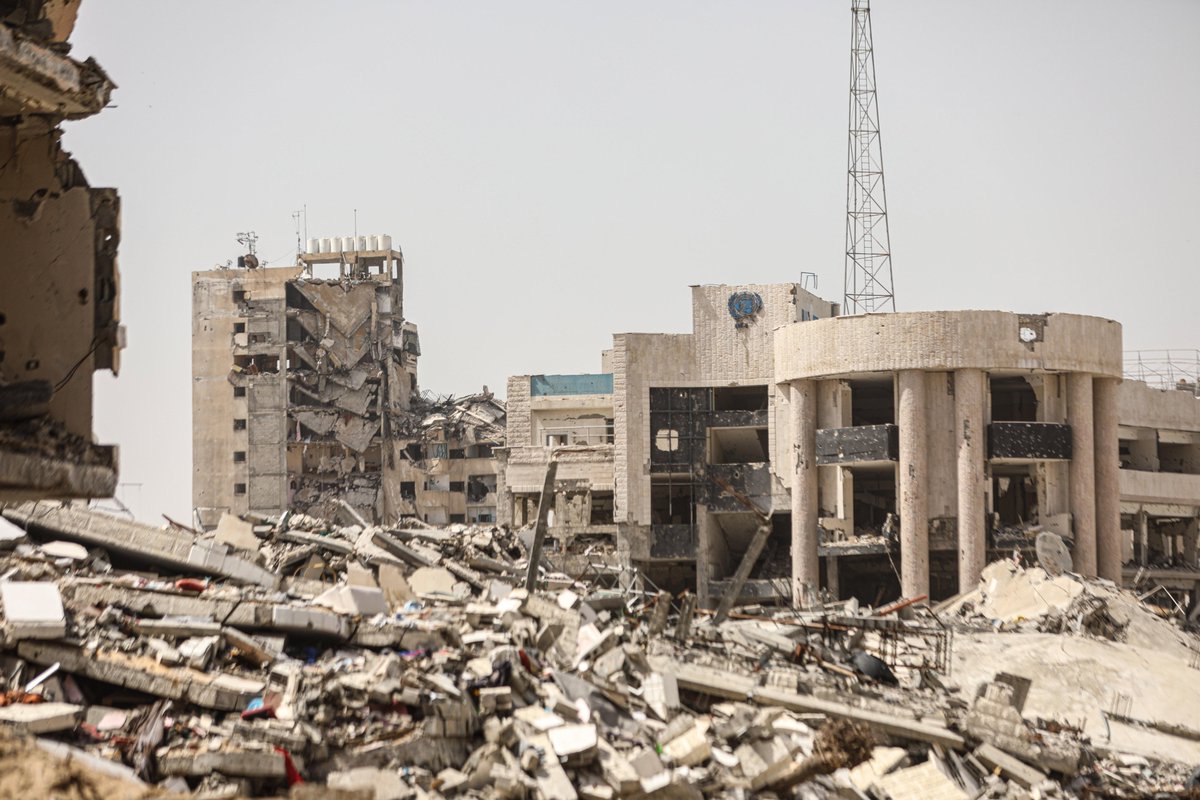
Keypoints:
pixel 557 171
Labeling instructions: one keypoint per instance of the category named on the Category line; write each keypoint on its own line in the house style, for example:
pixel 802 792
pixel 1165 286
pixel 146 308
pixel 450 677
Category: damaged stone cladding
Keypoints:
pixel 59 319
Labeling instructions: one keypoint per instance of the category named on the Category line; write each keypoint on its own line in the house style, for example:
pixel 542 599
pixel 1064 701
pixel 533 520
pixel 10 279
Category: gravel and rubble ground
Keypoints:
pixel 298 658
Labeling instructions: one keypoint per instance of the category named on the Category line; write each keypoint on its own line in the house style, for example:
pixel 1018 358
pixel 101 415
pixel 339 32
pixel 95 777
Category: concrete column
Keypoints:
pixel 806 564
pixel 1054 492
pixel 828 416
pixel 912 486
pixel 836 493
pixel 970 388
pixel 1191 533
pixel 1108 486
pixel 1083 471
pixel 1141 544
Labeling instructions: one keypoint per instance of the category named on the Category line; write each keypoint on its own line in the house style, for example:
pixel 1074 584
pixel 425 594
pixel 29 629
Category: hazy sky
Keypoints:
pixel 556 171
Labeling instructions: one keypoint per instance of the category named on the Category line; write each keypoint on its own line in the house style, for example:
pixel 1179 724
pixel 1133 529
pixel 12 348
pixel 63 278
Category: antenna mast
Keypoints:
pixel 868 279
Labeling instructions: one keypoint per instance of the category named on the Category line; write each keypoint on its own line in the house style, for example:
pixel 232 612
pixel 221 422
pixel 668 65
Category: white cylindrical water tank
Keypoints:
pixel 364 243
pixel 376 243
pixel 327 245
pixel 346 244
pixel 311 246
pixel 385 242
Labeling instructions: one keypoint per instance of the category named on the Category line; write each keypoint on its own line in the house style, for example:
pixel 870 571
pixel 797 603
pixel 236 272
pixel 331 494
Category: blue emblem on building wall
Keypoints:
pixel 743 305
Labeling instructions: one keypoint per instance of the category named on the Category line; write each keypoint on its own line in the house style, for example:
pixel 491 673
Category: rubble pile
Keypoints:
pixel 477 418
pixel 294 656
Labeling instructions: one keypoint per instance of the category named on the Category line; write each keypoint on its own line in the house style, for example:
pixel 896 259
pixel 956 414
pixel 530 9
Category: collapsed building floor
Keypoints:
pixel 294 655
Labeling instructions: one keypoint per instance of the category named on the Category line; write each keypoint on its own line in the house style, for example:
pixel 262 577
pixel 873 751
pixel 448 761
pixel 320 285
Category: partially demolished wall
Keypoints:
pixel 59 319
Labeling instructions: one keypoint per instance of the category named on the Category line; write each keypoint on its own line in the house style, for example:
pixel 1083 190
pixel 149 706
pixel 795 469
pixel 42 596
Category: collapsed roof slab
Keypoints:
pixel 139 542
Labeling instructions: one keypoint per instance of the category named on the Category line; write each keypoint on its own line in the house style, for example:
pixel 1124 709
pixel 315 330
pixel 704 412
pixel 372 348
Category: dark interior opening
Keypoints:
pixel 672 503
pixel 1013 400
pixel 872 403
pixel 738 446
pixel 1014 495
pixel 740 398
pixel 602 508
pixel 874 499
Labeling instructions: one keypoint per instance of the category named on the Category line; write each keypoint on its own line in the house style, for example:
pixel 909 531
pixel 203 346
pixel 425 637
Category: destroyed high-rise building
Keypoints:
pixel 305 396
pixel 59 316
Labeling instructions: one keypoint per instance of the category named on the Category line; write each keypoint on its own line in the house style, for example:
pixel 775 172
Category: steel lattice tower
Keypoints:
pixel 868 280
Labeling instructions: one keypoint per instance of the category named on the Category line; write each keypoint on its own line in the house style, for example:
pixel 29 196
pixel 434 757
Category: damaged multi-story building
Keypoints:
pixel 888 453
pixel 641 445
pixel 305 396
pixel 59 316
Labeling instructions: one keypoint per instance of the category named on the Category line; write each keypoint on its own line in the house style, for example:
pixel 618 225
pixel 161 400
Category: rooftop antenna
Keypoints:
pixel 356 224
pixel 249 239
pixel 868 278
pixel 296 217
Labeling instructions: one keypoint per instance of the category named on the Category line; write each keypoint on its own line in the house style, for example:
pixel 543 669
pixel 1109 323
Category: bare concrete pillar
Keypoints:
pixel 1108 487
pixel 1141 546
pixel 806 564
pixel 912 487
pixel 1083 471
pixel 828 416
pixel 1191 533
pixel 970 389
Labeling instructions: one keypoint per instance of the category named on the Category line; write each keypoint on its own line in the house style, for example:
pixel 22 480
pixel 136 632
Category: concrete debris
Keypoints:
pixel 32 610
pixel 413 662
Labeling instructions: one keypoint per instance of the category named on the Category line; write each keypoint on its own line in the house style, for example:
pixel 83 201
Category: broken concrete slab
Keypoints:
pixel 357 601
pixel 258 763
pixel 395 587
pixel 38 718
pixel 67 550
pixel 33 610
pixel 1017 770
pixel 726 684
pixel 922 782
pixel 883 761
pixel 432 581
pixel 139 542
pixel 1011 593
pixel 236 533
pixel 220 692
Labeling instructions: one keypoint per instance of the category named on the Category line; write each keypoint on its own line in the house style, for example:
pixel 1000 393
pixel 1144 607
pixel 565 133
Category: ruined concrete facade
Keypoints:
pixel 951 427
pixel 647 439
pixel 59 314
pixel 1159 452
pixel 305 397
pixel 571 418
pixel 894 454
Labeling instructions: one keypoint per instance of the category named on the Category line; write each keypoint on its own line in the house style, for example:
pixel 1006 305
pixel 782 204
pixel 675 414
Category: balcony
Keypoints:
pixel 862 444
pixel 1015 442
